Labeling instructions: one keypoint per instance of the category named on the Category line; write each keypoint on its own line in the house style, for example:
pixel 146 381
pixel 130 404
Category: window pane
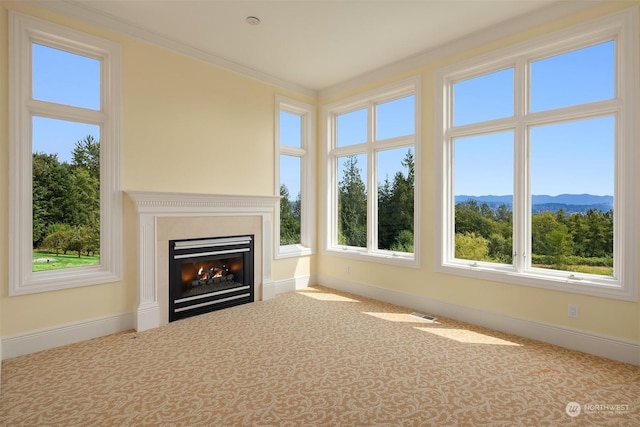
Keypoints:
pixel 577 77
pixel 351 128
pixel 66 194
pixel 352 200
pixel 486 97
pixel 290 129
pixel 572 187
pixel 483 189
pixel 395 118
pixel 65 78
pixel 395 199
pixel 290 178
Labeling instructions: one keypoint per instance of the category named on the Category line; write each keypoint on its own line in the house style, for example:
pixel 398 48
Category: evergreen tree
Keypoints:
pixel 86 155
pixel 289 223
pixel 386 211
pixel 352 206
pixel 396 209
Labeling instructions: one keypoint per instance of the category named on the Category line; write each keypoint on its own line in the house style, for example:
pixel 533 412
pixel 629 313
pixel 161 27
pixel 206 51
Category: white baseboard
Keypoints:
pixel 288 285
pixel 147 316
pixel 268 290
pixel 32 342
pixel 610 347
pixel 619 349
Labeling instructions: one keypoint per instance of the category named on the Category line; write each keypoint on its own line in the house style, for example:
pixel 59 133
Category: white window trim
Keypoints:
pixel 23 31
pixel 410 86
pixel 621 26
pixel 306 153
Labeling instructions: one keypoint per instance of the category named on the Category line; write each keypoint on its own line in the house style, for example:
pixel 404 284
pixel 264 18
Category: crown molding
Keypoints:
pixel 81 12
pixel 513 26
pixel 560 9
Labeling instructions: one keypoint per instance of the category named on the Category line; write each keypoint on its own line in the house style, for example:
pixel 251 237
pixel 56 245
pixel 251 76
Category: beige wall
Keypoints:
pixel 597 315
pixel 187 127
pixel 179 113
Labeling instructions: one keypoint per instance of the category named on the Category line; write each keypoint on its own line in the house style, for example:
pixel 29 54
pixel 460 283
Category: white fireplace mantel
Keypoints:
pixel 153 205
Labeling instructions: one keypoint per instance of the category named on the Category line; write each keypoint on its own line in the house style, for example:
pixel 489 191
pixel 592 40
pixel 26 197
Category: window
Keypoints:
pixel 65 216
pixel 295 166
pixel 538 162
pixel 372 175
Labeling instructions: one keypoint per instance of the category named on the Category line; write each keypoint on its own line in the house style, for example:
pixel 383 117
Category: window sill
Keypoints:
pixel 390 258
pixel 581 284
pixel 64 279
pixel 292 251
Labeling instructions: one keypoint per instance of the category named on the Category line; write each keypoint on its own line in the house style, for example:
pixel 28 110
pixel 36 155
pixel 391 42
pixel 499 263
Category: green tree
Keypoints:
pixel 386 210
pixel 289 221
pixel 560 245
pixel 51 190
pixel 396 209
pixel 542 224
pixel 57 237
pixel 68 194
pixel 352 206
pixel 86 155
pixel 471 246
pixel 403 242
pixel 500 248
pixel 474 218
pixel 84 199
pixel 578 228
pixel 599 232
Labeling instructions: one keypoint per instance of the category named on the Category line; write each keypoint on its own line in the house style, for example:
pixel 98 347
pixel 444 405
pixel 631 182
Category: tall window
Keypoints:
pixel 295 130
pixel 538 162
pixel 371 174
pixel 65 191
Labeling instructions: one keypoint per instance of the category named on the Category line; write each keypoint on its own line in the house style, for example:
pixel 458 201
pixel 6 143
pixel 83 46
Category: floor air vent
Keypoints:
pixel 424 317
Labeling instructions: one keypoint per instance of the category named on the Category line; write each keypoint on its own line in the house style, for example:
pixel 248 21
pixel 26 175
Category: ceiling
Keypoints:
pixel 313 45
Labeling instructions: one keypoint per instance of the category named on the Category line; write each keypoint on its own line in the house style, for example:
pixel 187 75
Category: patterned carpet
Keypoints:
pixel 316 357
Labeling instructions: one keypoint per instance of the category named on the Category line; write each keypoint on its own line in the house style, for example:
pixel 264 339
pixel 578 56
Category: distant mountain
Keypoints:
pixel 571 203
pixel 574 199
pixel 507 200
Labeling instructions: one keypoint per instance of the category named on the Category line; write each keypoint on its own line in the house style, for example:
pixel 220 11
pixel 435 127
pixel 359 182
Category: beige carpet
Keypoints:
pixel 316 357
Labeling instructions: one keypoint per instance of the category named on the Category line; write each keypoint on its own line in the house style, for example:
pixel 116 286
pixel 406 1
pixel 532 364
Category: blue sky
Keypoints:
pixel 566 158
pixel 572 157
pixel 69 79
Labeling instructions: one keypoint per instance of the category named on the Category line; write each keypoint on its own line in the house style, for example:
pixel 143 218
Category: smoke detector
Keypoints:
pixel 252 20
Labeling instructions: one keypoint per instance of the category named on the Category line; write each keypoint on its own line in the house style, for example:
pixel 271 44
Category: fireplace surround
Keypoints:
pixel 208 274
pixel 162 217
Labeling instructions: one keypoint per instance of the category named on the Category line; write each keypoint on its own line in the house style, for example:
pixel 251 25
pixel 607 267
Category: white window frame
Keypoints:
pixel 331 152
pixel 25 30
pixel 621 27
pixel 306 153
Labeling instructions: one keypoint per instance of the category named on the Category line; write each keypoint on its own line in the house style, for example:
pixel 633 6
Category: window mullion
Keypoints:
pixel 521 199
pixel 372 214
pixel 65 112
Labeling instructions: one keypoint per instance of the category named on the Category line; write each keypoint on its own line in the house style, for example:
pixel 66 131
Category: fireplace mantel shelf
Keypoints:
pixel 151 205
pixel 149 201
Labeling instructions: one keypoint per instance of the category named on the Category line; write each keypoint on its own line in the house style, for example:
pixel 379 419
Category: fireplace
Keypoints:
pixel 162 217
pixel 208 274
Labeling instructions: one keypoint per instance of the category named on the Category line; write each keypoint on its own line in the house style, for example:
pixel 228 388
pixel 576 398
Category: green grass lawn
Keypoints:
pixel 43 261
pixel 601 270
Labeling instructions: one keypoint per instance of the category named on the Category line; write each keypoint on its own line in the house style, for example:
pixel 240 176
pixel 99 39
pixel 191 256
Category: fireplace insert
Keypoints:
pixel 209 274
